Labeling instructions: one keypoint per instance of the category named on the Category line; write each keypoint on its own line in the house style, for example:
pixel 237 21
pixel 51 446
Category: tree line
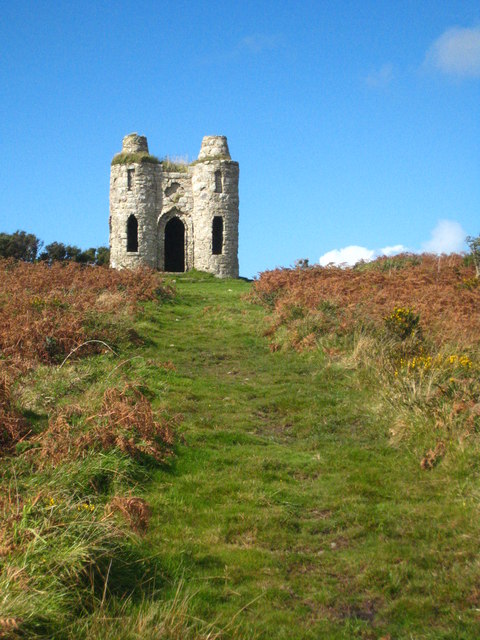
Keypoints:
pixel 26 246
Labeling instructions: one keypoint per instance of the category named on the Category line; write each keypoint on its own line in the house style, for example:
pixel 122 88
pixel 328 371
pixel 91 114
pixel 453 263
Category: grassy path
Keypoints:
pixel 288 514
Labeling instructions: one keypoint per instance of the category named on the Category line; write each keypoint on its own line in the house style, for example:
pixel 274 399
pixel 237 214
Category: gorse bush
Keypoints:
pixel 402 323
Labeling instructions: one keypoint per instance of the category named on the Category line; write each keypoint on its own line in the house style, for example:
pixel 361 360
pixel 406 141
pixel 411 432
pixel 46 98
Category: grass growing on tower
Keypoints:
pixel 133 158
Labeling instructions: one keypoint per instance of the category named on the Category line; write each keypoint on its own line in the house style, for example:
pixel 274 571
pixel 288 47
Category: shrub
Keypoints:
pixel 402 323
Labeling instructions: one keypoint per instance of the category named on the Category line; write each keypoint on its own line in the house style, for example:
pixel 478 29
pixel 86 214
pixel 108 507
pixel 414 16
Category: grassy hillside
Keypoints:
pixel 285 463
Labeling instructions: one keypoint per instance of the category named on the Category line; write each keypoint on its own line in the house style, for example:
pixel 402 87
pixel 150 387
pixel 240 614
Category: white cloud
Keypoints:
pixel 348 255
pixel 392 251
pixel 380 78
pixel 353 254
pixel 456 52
pixel 447 237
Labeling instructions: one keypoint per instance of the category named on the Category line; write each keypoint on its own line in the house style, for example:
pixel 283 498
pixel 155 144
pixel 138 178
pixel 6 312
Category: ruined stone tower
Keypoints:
pixel 174 217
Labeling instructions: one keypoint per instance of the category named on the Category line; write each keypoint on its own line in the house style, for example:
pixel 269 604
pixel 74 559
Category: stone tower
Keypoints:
pixel 174 217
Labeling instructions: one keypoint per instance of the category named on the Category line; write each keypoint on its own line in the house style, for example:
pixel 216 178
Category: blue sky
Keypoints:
pixel 355 123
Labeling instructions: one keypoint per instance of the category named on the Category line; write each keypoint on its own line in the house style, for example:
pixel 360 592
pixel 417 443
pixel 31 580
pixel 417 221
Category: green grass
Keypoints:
pixel 288 495
pixel 287 513
pixel 174 167
pixel 132 158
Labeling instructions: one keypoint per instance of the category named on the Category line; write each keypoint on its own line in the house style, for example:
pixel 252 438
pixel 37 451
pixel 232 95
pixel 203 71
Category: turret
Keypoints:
pixel 135 199
pixel 214 148
pixel 215 208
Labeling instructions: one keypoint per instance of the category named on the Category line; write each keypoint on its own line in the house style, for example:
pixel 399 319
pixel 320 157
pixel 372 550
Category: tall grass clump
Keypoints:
pixel 175 165
pixel 70 519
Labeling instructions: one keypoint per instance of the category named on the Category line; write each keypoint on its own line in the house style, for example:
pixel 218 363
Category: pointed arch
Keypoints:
pixel 166 236
pixel 132 234
pixel 175 245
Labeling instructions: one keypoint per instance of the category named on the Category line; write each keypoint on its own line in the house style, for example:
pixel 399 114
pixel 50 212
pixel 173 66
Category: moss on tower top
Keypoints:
pixel 134 157
pixel 134 150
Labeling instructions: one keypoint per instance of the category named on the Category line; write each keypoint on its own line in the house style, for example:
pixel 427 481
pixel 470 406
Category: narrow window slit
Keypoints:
pixel 217 235
pixel 218 182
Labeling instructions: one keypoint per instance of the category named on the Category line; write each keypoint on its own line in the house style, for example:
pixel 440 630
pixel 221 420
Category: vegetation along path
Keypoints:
pixel 288 513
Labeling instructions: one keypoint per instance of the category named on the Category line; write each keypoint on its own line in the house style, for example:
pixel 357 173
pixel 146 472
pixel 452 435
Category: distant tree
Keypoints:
pixel 59 252
pixel 102 257
pixel 73 253
pixel 55 251
pixel 26 246
pixel 474 244
pixel 88 256
pixel 19 245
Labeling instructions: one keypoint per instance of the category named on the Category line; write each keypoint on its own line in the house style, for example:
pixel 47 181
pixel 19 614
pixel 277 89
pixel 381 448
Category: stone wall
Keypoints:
pixel 177 202
pixel 208 189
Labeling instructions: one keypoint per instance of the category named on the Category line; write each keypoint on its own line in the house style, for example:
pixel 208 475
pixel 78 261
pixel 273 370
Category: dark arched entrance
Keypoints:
pixel 174 245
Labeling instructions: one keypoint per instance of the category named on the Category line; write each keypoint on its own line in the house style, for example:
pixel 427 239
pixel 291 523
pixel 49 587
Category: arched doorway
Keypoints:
pixel 175 245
